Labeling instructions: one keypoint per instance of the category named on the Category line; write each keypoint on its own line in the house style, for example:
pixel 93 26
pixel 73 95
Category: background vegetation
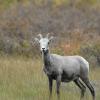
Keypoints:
pixel 75 23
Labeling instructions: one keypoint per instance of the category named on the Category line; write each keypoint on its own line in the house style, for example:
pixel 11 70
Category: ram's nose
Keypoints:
pixel 43 48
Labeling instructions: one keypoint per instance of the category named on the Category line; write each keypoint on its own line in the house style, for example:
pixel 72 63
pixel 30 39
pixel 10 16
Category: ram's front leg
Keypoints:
pixel 58 82
pixel 50 86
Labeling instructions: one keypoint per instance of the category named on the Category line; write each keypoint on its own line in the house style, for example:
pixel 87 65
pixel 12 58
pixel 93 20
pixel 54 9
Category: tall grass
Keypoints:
pixel 23 79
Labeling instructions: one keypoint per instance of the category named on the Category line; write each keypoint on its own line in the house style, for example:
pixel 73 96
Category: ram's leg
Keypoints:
pixel 87 82
pixel 81 86
pixel 58 82
pixel 50 87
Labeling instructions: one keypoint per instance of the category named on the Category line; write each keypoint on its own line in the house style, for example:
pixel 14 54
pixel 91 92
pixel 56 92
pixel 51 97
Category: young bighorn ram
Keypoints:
pixel 64 68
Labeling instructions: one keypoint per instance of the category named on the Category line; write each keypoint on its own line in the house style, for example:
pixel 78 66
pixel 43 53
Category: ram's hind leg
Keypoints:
pixel 81 86
pixel 87 82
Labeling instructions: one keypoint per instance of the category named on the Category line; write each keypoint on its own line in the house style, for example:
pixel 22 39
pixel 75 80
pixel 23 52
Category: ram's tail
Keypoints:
pixel 84 65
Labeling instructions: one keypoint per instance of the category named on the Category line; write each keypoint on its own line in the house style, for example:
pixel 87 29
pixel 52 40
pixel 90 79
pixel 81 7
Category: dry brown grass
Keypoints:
pixel 23 79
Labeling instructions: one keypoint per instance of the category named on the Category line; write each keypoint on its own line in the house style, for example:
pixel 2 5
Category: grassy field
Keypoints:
pixel 23 79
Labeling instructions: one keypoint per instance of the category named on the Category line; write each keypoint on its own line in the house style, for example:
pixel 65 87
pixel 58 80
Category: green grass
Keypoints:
pixel 23 79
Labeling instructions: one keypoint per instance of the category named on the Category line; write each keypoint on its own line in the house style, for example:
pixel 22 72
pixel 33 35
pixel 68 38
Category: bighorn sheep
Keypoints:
pixel 64 68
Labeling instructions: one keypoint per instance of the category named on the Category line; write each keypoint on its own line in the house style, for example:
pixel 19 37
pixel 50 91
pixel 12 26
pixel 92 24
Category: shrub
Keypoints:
pixel 92 53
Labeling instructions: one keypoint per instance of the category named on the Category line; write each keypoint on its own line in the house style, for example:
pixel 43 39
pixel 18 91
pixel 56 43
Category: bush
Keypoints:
pixel 92 53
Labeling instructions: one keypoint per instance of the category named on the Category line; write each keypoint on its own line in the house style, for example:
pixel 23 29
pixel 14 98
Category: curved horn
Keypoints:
pixel 40 35
pixel 48 35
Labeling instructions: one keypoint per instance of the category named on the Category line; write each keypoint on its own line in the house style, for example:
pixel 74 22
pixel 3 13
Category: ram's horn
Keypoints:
pixel 48 35
pixel 40 35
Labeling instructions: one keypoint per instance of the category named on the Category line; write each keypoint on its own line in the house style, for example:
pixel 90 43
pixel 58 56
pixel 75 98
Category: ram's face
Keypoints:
pixel 44 44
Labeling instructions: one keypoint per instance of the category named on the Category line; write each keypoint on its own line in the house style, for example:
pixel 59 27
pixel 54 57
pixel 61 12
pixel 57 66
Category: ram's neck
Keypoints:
pixel 46 59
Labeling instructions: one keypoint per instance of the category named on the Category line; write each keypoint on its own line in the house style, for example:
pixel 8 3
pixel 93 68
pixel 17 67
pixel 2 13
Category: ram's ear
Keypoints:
pixel 36 40
pixel 51 38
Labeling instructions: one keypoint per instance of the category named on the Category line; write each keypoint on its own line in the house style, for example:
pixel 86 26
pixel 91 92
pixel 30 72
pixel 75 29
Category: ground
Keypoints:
pixel 23 79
